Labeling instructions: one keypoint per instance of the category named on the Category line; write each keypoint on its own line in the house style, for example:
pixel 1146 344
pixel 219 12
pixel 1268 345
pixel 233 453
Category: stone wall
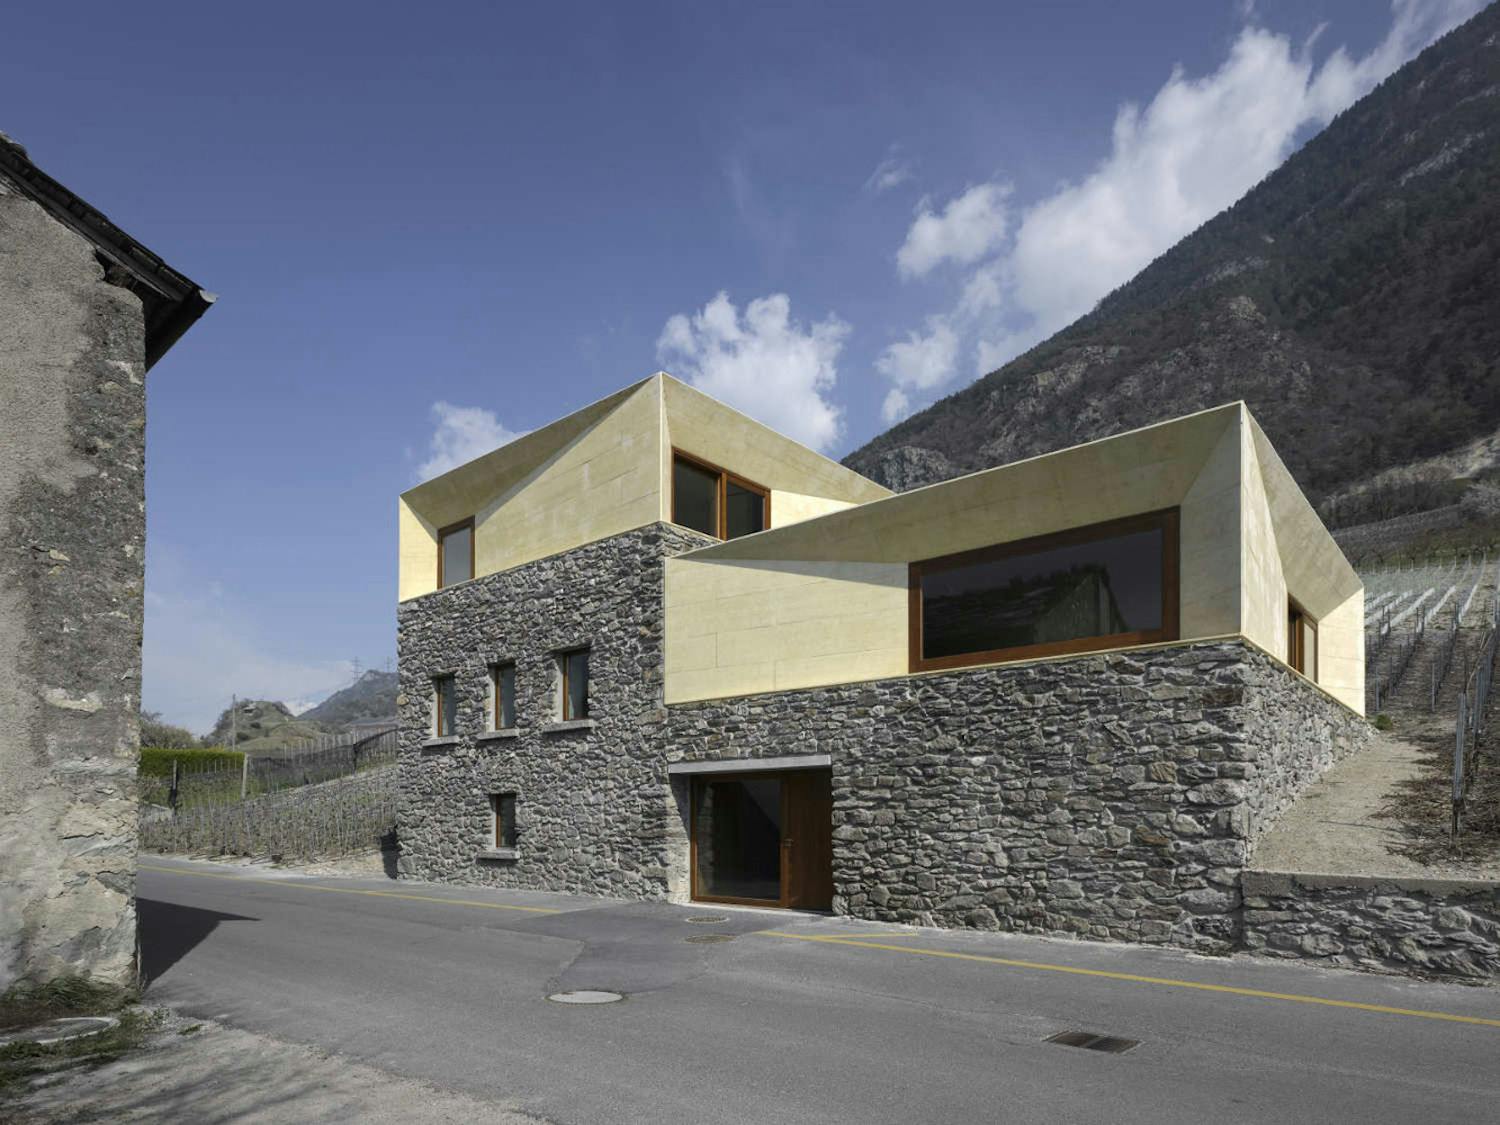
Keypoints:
pixel 594 810
pixel 1426 927
pixel 1114 796
pixel 72 528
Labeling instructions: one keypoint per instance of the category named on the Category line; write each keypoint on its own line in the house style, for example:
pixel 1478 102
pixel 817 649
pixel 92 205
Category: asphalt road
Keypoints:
pixel 799 1019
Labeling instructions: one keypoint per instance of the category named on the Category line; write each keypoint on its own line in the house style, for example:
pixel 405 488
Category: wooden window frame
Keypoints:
pixel 439 727
pixel 444 531
pixel 497 712
pixel 497 815
pixel 1167 519
pixel 565 705
pixel 1296 656
pixel 721 507
pixel 693 781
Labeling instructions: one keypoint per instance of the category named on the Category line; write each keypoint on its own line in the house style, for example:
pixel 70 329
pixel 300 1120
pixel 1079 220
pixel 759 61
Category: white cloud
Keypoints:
pixel 462 433
pixel 969 228
pixel 920 362
pixel 891 172
pixel 200 648
pixel 895 407
pixel 763 363
pixel 1196 147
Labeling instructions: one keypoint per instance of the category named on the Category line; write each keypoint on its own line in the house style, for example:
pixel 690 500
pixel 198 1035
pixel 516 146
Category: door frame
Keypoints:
pixel 783 858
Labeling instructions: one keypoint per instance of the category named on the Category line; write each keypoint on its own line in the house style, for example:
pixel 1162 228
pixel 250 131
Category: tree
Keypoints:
pixel 164 736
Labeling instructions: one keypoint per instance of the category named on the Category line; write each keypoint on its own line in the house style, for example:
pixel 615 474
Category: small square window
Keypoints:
pixel 574 667
pixel 503 693
pixel 503 818
pixel 444 706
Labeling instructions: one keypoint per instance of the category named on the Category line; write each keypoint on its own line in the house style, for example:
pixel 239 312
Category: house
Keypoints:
pixel 658 650
pixel 85 311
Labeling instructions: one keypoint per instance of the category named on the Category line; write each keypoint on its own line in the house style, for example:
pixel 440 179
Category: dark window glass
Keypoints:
pixel 456 555
pixel 1099 588
pixel 503 806
pixel 695 497
pixel 737 825
pixel 575 694
pixel 744 510
pixel 445 709
pixel 1302 642
pixel 505 696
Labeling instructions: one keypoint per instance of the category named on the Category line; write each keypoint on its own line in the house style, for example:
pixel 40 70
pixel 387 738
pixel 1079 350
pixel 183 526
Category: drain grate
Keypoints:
pixel 585 996
pixel 707 939
pixel 1091 1041
pixel 706 919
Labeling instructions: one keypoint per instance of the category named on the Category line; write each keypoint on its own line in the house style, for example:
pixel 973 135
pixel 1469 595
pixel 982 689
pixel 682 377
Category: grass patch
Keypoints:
pixel 22 1061
pixel 24 1004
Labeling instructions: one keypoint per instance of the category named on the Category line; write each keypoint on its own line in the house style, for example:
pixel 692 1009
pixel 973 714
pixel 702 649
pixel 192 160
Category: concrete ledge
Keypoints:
pixel 571 724
pixel 1268 883
pixel 502 854
pixel 448 740
pixel 752 765
pixel 492 735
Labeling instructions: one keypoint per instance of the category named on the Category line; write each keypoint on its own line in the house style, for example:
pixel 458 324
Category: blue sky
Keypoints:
pixel 434 227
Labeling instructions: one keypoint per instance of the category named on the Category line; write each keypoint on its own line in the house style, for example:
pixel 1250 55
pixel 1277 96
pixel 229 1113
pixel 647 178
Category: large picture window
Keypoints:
pixel 714 501
pixel 1108 585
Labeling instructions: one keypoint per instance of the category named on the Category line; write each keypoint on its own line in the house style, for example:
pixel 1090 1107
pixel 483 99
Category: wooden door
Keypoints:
pixel 807 840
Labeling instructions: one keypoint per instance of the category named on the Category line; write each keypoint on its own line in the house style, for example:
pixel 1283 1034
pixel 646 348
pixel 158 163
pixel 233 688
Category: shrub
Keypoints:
pixel 154 732
pixel 1383 722
pixel 156 761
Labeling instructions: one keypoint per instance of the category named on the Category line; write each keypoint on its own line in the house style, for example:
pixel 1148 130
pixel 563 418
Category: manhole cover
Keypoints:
pixel 585 996
pixel 707 939
pixel 1090 1041
pixel 60 1031
pixel 706 919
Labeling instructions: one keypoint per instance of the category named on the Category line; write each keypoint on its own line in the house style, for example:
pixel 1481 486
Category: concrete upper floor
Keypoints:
pixel 656 451
pixel 1187 530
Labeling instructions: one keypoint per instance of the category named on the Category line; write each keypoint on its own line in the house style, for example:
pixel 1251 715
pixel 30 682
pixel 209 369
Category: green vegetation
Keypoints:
pixel 154 732
pixel 1383 722
pixel 157 761
pixel 26 1003
pixel 20 1062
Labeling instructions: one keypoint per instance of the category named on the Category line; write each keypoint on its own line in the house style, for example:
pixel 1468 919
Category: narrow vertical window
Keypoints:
pixel 456 553
pixel 575 684
pixel 503 691
pixel 503 814
pixel 444 706
pixel 1301 641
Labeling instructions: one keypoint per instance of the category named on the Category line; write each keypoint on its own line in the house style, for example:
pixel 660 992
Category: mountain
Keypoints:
pixel 255 720
pixel 371 697
pixel 1352 299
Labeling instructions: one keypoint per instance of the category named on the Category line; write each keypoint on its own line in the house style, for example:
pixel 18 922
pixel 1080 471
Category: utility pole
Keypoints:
pixel 234 721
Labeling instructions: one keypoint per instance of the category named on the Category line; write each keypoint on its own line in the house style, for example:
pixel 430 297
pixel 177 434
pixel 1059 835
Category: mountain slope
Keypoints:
pixel 372 696
pixel 1352 299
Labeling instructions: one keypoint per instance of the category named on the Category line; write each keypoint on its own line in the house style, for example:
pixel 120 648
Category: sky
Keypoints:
pixel 432 228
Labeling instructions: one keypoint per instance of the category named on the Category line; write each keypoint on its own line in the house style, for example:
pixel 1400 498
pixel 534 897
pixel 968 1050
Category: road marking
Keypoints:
pixel 349 891
pixel 1133 978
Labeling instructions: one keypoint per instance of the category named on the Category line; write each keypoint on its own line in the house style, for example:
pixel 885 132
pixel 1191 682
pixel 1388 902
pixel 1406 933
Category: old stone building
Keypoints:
pixel 658 650
pixel 85 310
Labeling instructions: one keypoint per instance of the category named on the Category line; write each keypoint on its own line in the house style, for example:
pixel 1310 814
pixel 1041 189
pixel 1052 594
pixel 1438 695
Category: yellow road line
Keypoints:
pixel 349 891
pixel 1133 978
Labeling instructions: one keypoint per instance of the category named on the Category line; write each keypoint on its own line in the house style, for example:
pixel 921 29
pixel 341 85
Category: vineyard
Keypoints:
pixel 1431 633
pixel 337 799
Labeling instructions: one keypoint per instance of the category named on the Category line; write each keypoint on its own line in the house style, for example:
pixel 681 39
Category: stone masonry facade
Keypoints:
pixel 72 531
pixel 1114 796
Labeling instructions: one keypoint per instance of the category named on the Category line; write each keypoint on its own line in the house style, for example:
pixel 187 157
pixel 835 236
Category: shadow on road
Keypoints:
pixel 169 931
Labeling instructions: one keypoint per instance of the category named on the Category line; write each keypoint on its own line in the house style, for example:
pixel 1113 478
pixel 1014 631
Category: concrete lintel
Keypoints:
pixel 752 765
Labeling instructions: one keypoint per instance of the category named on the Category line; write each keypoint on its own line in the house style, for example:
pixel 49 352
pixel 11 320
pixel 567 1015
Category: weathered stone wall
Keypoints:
pixel 72 529
pixel 1431 927
pixel 594 809
pixel 1111 796
pixel 1114 796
